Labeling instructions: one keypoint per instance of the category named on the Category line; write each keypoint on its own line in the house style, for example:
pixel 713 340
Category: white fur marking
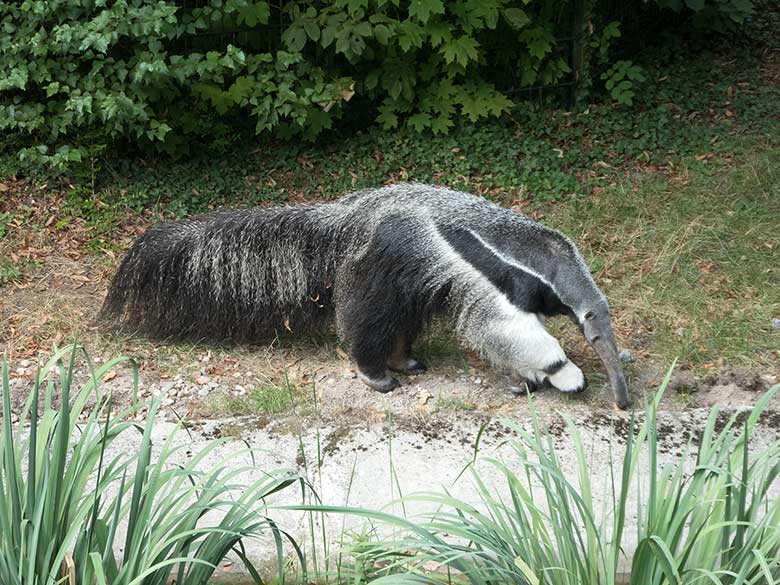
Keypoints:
pixel 568 379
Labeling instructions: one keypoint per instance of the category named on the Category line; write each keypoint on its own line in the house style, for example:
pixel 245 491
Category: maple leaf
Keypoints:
pixel 409 35
pixel 423 9
pixel 462 50
pixel 420 121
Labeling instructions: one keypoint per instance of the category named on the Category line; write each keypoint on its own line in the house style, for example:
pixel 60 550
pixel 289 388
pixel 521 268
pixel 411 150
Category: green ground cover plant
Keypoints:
pixel 63 498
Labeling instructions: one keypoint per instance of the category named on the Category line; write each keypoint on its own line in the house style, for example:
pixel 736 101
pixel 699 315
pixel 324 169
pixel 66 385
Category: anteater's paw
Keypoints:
pixel 524 386
pixel 383 385
pixel 569 379
pixel 409 366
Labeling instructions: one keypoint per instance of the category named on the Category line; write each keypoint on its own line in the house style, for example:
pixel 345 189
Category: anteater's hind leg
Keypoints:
pixel 400 359
pixel 367 319
pixel 379 302
pixel 371 343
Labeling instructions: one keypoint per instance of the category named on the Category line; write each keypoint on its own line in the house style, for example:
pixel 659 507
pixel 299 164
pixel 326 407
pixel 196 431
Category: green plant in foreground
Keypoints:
pixel 66 502
pixel 711 522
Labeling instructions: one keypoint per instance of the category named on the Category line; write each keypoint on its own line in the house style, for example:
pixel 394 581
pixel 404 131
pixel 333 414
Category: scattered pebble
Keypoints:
pixel 478 381
pixel 330 381
pixel 25 363
pixel 775 323
pixel 22 371
pixel 203 392
pixel 349 374
pixel 202 380
pixel 168 401
pixel 626 356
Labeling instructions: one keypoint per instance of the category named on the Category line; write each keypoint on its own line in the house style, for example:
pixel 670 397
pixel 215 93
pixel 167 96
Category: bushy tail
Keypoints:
pixel 230 275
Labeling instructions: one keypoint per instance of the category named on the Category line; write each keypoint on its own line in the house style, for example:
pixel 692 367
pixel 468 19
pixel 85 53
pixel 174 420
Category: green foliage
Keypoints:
pixel 53 515
pixel 621 81
pixel 82 75
pixel 8 272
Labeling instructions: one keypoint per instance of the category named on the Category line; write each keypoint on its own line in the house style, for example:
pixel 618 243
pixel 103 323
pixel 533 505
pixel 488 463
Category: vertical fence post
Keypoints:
pixel 578 34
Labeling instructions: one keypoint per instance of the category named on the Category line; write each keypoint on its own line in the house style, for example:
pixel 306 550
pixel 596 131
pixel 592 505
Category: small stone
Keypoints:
pixel 349 374
pixel 202 380
pixel 478 381
pixel 203 392
pixel 14 418
pixel 626 356
pixel 25 363
pixel 21 371
pixel 775 323
pixel 168 401
pixel 330 381
pixel 680 332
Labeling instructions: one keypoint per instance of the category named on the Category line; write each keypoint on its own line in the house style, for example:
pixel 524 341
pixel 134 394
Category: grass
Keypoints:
pixel 454 404
pixel 708 516
pixel 689 263
pixel 180 519
pixel 266 399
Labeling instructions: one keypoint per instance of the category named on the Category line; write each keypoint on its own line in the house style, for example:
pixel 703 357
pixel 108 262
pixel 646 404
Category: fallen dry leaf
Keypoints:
pixel 423 397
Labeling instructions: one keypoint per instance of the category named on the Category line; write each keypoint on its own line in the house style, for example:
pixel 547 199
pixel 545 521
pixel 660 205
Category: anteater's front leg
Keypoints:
pixel 520 342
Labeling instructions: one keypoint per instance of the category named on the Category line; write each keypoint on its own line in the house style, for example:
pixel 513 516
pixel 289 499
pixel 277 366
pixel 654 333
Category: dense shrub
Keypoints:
pixel 81 74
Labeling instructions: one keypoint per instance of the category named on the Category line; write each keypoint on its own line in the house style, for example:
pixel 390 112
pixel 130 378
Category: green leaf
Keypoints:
pixel 516 17
pixel 460 50
pixel 294 38
pixel 387 118
pixel 441 124
pixel 420 121
pixel 410 35
pixel 438 32
pixel 423 9
pixel 527 571
pixel 382 34
pixel 312 29
pixel 254 14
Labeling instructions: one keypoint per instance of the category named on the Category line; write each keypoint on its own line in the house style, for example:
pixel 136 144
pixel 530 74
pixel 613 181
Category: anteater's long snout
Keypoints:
pixel 606 348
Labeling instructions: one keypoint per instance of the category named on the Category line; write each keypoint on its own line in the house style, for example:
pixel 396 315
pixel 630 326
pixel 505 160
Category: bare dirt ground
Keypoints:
pixel 285 383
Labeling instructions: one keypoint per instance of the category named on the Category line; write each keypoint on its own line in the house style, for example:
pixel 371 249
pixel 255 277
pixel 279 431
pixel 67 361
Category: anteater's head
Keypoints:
pixel 587 306
pixel 566 287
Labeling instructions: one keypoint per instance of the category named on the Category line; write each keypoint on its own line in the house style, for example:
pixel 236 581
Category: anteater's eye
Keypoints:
pixel 590 315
